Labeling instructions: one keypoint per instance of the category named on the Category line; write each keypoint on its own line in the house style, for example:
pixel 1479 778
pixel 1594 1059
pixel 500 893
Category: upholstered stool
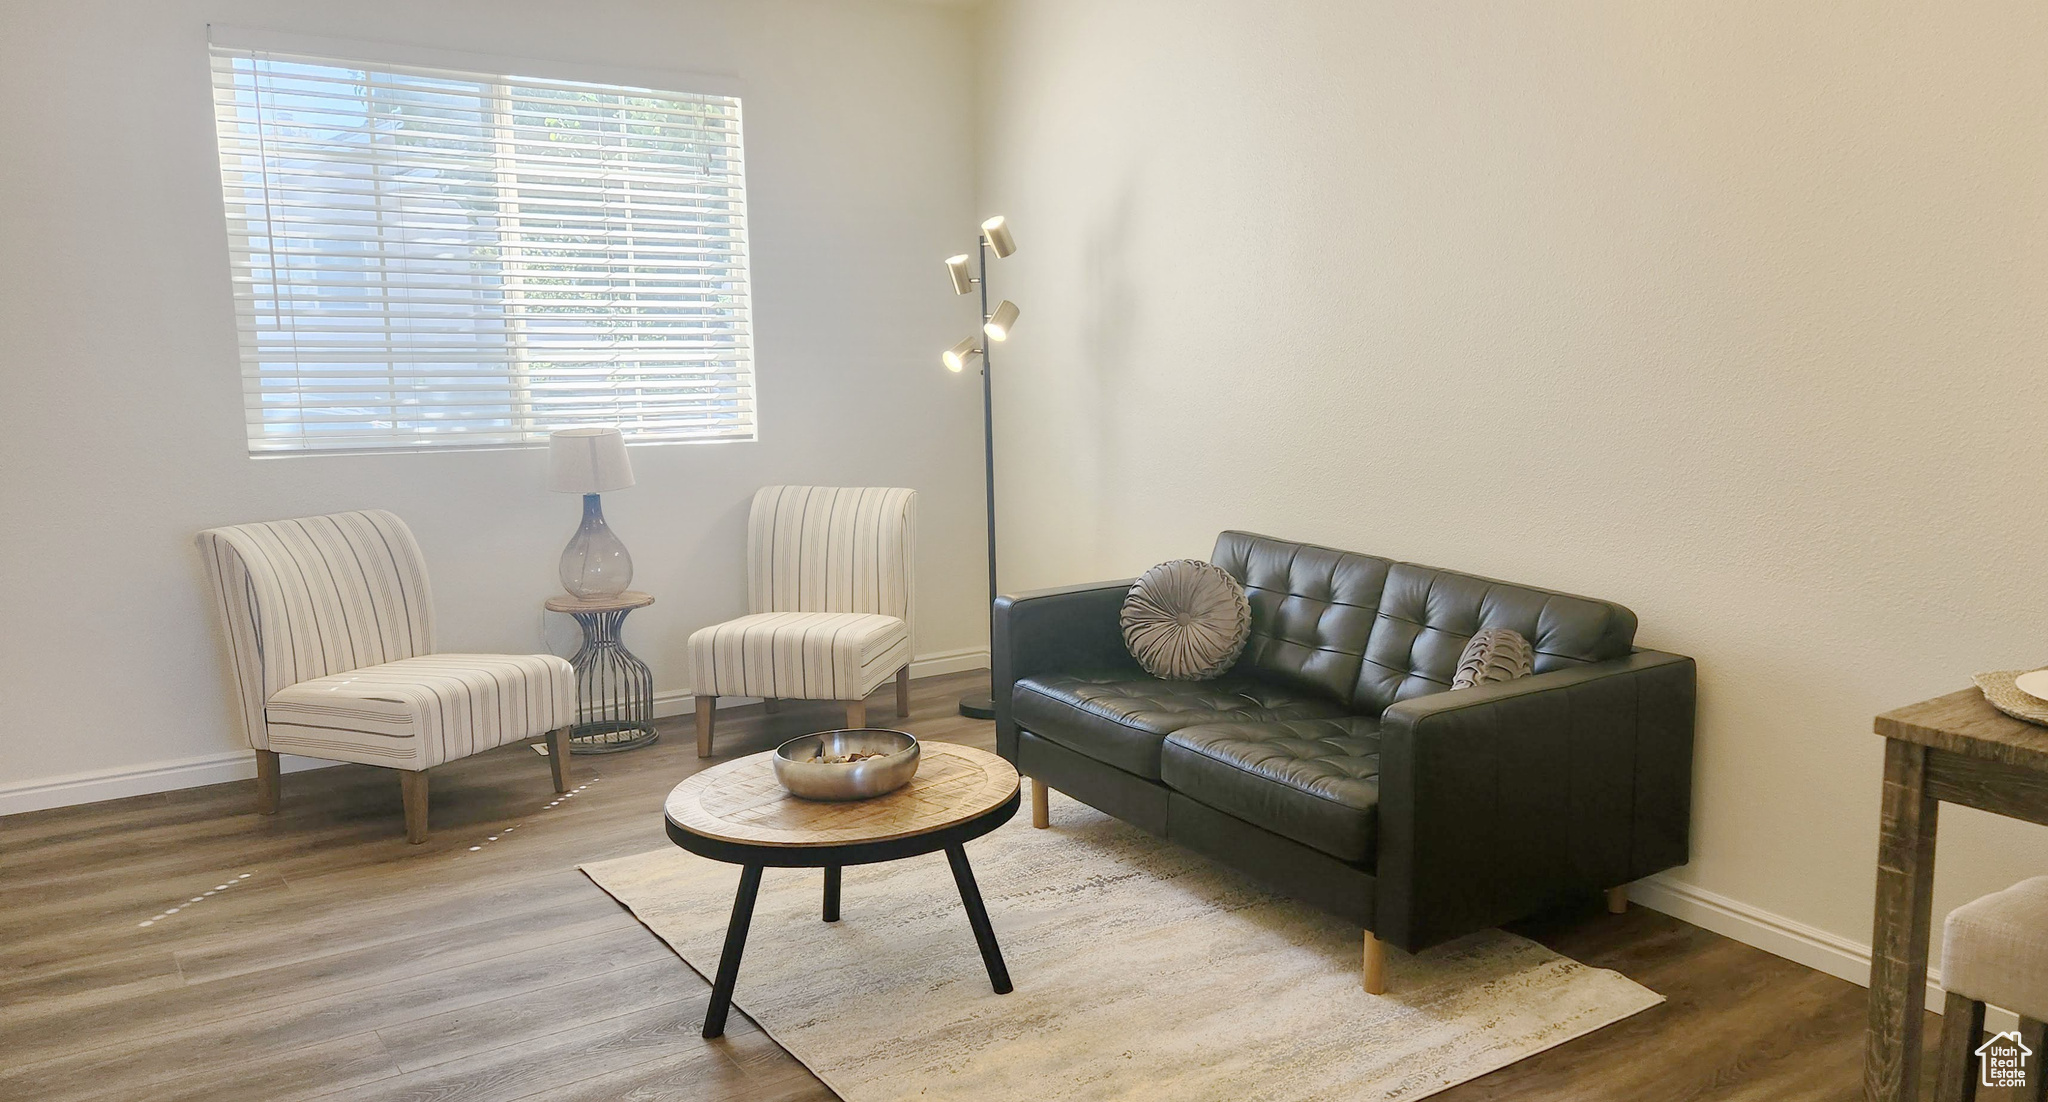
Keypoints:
pixel 1995 951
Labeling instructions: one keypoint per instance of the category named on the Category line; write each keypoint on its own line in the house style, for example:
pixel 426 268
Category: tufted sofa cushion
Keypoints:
pixel 1312 609
pixel 1427 615
pixel 1316 781
pixel 1122 717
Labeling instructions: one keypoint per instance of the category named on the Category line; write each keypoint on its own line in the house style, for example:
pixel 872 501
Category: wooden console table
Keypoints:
pixel 1960 749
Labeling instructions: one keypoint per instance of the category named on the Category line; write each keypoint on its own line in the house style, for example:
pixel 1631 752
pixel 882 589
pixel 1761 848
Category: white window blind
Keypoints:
pixel 425 258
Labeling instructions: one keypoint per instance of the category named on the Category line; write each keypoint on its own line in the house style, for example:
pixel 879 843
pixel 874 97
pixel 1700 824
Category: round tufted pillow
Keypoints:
pixel 1495 654
pixel 1186 620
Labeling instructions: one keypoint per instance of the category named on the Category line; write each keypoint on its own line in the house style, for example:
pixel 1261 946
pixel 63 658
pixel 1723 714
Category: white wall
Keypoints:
pixel 120 389
pixel 1734 313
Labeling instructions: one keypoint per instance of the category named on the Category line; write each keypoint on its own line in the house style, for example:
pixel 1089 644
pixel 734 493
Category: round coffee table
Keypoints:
pixel 737 813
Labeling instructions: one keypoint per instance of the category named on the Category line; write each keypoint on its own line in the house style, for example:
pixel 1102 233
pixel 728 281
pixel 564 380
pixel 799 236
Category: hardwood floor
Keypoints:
pixel 313 954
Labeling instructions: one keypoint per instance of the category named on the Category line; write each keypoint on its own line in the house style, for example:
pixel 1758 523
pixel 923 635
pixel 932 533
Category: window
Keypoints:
pixel 426 258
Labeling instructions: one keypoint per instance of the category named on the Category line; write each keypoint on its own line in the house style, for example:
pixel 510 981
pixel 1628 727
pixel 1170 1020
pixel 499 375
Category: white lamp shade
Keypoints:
pixel 588 461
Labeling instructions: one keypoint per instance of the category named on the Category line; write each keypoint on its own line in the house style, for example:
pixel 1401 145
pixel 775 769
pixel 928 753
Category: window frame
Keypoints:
pixel 501 72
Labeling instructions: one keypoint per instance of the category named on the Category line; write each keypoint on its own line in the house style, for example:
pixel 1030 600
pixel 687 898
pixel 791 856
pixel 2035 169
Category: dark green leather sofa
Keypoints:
pixel 1335 763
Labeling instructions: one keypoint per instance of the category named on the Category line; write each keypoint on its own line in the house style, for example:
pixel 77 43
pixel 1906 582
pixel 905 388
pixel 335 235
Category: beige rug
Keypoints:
pixel 1142 972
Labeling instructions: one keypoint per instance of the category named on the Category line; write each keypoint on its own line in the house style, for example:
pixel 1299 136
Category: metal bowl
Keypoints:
pixel 797 769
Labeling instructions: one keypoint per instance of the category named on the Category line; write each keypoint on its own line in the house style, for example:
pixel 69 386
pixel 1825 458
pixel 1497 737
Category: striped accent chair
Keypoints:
pixel 330 639
pixel 829 604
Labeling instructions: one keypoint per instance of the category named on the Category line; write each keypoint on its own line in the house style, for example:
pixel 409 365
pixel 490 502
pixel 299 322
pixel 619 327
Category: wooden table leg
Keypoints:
pixel 977 917
pixel 831 893
pixel 1898 956
pixel 735 944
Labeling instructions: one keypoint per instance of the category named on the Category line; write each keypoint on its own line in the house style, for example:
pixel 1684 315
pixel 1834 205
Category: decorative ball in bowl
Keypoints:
pixel 846 765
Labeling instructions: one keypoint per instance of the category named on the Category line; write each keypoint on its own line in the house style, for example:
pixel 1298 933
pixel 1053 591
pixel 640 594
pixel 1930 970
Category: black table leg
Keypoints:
pixel 735 944
pixel 831 893
pixel 977 917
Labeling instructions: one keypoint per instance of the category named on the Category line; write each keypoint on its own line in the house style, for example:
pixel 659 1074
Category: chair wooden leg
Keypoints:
pixel 1375 973
pixel 706 705
pixel 268 787
pixel 1040 816
pixel 2034 1035
pixel 412 784
pixel 558 757
pixel 1617 900
pixel 856 714
pixel 903 692
pixel 1962 1030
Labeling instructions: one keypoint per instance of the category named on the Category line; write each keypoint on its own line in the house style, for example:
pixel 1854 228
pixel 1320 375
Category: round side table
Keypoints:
pixel 614 689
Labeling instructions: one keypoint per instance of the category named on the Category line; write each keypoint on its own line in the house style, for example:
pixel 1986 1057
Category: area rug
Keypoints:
pixel 1142 972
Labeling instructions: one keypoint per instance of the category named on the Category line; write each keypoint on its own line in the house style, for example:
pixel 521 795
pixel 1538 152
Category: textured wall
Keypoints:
pixel 121 390
pixel 1735 313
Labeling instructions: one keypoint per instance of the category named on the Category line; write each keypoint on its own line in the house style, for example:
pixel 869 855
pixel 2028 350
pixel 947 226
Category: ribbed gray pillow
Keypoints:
pixel 1186 620
pixel 1495 654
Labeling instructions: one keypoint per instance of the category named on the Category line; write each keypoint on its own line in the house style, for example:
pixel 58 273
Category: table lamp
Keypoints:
pixel 591 461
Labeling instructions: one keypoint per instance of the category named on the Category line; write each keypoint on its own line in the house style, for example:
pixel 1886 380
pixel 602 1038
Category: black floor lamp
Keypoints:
pixel 995 326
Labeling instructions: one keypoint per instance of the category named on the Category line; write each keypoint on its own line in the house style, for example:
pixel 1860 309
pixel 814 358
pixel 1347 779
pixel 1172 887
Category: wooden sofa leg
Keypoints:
pixel 268 787
pixel 706 705
pixel 903 692
pixel 856 714
pixel 558 757
pixel 412 784
pixel 1040 816
pixel 1617 900
pixel 1375 973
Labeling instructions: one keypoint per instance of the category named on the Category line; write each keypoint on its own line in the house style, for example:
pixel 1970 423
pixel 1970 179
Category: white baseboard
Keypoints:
pixel 1780 936
pixel 240 765
pixel 142 780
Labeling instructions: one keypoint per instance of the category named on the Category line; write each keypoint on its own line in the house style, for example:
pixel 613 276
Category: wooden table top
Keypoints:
pixel 740 801
pixel 1964 722
pixel 631 598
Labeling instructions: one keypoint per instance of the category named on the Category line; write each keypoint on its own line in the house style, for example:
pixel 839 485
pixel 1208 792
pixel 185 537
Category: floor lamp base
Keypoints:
pixel 978 706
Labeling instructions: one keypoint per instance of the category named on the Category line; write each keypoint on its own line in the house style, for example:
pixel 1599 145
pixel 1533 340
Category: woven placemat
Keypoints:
pixel 2005 696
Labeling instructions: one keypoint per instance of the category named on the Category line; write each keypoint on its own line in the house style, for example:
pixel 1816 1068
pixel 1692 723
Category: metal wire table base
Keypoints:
pixel 614 689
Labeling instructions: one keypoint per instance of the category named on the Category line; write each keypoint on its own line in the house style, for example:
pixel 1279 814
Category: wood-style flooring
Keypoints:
pixel 313 954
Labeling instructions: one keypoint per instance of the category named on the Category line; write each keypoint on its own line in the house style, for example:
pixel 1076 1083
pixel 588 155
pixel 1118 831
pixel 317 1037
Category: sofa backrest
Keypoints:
pixel 1312 609
pixel 1427 615
pixel 1369 631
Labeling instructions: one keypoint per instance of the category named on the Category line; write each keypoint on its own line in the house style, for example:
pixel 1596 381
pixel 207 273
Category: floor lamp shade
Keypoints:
pixel 1001 322
pixel 997 231
pixel 957 356
pixel 591 462
pixel 962 275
